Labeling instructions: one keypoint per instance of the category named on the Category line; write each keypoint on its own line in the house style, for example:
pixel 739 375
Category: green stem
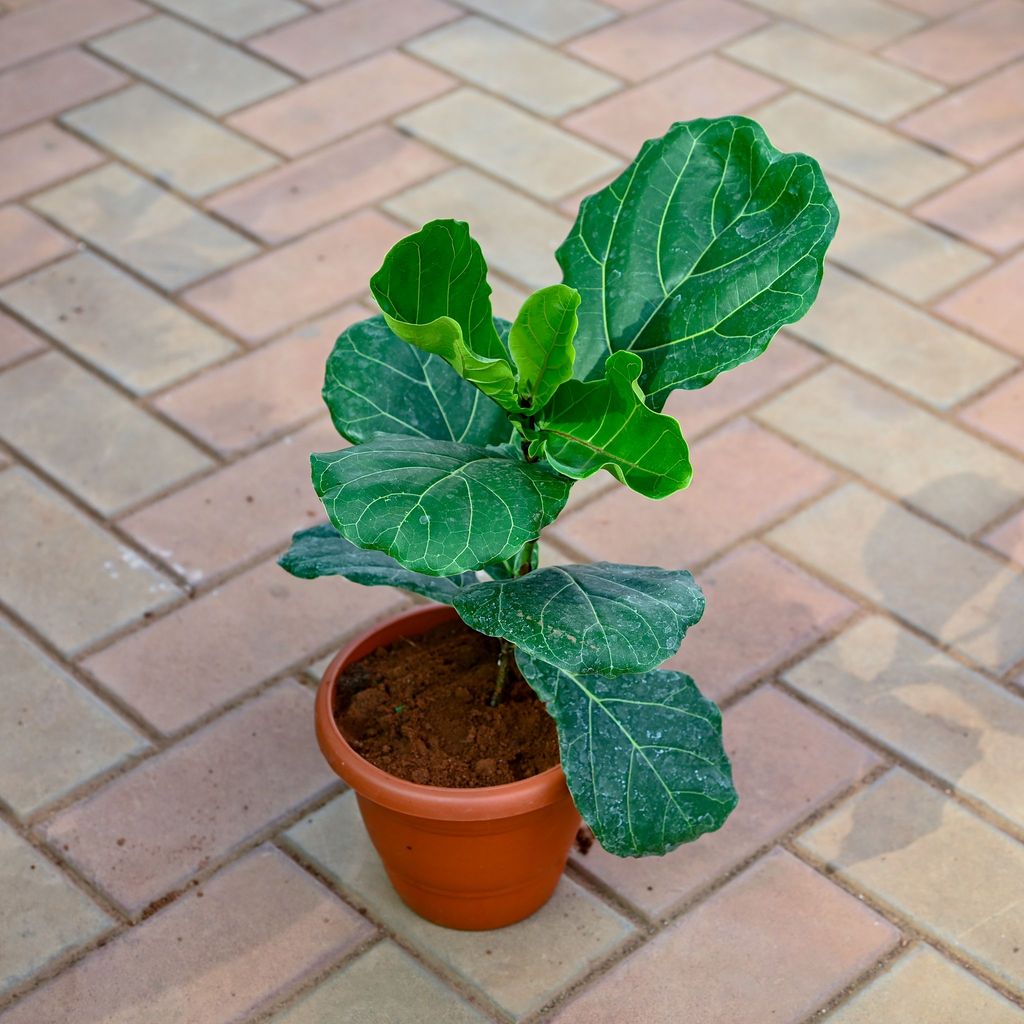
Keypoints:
pixel 523 565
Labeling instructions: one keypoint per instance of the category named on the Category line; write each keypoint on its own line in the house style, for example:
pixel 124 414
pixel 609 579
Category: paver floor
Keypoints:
pixel 194 193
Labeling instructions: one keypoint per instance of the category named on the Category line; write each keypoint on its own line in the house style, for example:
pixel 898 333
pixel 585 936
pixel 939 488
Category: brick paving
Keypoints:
pixel 193 194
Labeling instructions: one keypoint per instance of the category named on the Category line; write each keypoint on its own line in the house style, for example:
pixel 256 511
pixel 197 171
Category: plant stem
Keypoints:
pixel 504 663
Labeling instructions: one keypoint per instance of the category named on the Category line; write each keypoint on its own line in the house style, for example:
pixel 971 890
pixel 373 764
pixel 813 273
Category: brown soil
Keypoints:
pixel 419 710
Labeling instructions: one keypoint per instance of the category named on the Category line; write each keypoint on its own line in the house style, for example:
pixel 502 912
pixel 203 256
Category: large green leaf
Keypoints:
pixel 376 383
pixel 435 506
pixel 322 551
pixel 541 343
pixel 604 424
pixel 642 755
pixel 697 253
pixel 602 618
pixel 433 291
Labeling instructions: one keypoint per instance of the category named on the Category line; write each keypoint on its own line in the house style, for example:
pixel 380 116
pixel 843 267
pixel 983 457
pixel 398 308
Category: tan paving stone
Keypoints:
pixel 924 706
pixel 864 23
pixel 929 463
pixel 956 593
pixel 248 400
pixel 977 123
pixel 148 831
pixel 921 854
pixel 936 8
pixel 506 300
pixel 787 762
pixel 386 985
pixel 38 156
pixel 235 19
pixel 1000 414
pixel 174 144
pixel 987 208
pixel 225 643
pixel 537 77
pixel 17 341
pixel 52 916
pixel 708 87
pixel 27 241
pixel 897 251
pixel 967 45
pixel 298 280
pixel 993 305
pixel 47 86
pixel 519 968
pixel 761 611
pixel 307 193
pixel 873 158
pixel 350 32
pixel 526 254
pixel 247 937
pixel 1008 538
pixel 43 534
pixel 884 336
pixel 200 69
pixel 774 944
pixel 926 988
pixel 643 44
pixel 160 236
pixel 340 103
pixel 551 23
pixel 744 478
pixel 838 73
pixel 99 312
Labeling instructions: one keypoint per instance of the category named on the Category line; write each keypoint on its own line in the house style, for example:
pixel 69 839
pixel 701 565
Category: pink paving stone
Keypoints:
pixel 340 103
pixel 936 8
pixel 16 341
pixel 773 945
pixel 51 84
pixel 965 46
pixel 58 23
pixel 220 953
pixel 761 612
pixel 27 242
pixel 709 87
pixel 304 194
pixel 348 32
pixel 993 305
pixel 1000 414
pixel 147 832
pixel 986 208
pixel 229 640
pixel 644 44
pixel 240 513
pixel 787 762
pixel 1008 539
pixel 299 280
pixel 39 156
pixel 976 123
pixel 744 479
pixel 244 402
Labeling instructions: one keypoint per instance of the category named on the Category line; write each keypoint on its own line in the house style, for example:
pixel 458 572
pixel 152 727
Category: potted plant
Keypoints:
pixel 467 433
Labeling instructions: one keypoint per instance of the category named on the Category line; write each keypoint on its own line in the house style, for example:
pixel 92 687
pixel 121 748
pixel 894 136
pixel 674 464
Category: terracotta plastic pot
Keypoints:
pixel 462 858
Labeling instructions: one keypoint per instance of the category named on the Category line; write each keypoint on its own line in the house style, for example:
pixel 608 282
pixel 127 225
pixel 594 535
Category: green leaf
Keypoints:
pixel 433 291
pixel 376 383
pixel 697 253
pixel 642 755
pixel 435 506
pixel 541 343
pixel 604 424
pixel 321 551
pixel 602 618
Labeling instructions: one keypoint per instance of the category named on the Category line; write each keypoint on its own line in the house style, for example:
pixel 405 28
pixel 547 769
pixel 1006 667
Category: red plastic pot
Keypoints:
pixel 463 858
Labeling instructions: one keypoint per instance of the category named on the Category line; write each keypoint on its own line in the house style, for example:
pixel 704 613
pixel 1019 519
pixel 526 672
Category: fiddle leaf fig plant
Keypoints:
pixel 468 432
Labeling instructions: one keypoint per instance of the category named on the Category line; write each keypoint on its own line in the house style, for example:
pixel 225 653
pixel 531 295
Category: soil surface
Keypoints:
pixel 419 709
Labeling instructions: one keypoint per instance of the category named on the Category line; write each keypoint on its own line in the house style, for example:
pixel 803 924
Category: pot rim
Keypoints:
pixel 483 803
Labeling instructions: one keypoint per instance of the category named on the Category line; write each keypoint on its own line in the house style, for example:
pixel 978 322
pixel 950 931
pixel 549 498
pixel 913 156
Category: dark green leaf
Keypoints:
pixel 437 507
pixel 321 551
pixel 601 618
pixel 541 343
pixel 378 384
pixel 433 291
pixel 697 253
pixel 642 755
pixel 604 424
